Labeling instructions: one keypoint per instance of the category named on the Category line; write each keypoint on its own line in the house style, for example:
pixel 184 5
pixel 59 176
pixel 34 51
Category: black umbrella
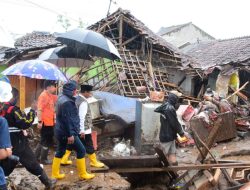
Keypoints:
pixel 65 57
pixel 89 43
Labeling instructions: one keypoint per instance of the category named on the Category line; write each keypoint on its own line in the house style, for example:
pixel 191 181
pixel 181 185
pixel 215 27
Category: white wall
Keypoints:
pixel 186 86
pixel 186 34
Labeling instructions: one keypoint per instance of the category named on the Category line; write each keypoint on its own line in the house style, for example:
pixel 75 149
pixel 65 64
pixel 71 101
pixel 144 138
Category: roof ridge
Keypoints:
pixel 203 31
pixel 179 25
pixel 175 27
pixel 234 38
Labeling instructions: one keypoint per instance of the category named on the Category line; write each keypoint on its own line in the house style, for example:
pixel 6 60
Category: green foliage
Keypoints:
pixel 81 23
pixel 64 21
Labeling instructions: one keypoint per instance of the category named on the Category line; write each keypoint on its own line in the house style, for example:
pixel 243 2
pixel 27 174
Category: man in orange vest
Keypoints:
pixel 46 120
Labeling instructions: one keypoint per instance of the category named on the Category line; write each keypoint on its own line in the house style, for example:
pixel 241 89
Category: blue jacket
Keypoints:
pixel 67 118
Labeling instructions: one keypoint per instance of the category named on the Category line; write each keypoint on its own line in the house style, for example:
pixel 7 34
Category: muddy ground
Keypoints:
pixel 111 181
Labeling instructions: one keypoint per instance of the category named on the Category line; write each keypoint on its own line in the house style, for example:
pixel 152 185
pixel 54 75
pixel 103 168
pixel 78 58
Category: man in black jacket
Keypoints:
pixel 170 126
pixel 67 130
pixel 18 121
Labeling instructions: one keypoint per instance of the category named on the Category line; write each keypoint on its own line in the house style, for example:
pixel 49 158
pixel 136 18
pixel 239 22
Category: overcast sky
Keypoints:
pixel 220 18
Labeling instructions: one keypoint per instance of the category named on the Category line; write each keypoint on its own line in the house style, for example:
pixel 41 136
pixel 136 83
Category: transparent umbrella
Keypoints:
pixel 36 69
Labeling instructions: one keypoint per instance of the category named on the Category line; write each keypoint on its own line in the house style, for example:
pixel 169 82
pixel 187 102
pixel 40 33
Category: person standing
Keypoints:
pixel 170 126
pixel 19 121
pixel 5 144
pixel 67 130
pixel 85 127
pixel 46 120
pixel 5 149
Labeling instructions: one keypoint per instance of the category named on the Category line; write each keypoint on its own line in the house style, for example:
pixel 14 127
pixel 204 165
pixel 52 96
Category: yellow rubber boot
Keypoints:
pixel 82 172
pixel 65 158
pixel 94 162
pixel 56 169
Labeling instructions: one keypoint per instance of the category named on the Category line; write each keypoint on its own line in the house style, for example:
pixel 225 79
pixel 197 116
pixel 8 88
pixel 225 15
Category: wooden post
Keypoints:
pixel 22 92
pixel 150 67
pixel 120 31
pixel 211 138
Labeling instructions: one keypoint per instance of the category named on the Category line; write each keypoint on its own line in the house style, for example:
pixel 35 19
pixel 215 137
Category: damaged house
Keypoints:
pixel 225 63
pixel 27 47
pixel 149 63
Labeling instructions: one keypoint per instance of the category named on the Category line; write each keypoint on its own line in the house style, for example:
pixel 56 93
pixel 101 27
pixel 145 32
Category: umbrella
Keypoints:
pixel 37 69
pixel 64 57
pixel 89 43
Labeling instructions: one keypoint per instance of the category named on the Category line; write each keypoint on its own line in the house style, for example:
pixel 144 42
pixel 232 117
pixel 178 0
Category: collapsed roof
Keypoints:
pixel 146 57
pixel 233 52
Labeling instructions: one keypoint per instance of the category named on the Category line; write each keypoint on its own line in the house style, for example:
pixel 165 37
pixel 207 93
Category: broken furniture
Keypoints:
pixel 226 131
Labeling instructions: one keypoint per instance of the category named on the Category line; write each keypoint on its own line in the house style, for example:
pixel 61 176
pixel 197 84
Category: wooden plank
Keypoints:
pixel 217 175
pixel 130 40
pixel 226 131
pixel 131 161
pixel 210 140
pixel 104 26
pixel 150 67
pixel 162 158
pixel 202 183
pixel 120 31
pixel 209 176
pixel 22 92
pixel 170 84
pixel 241 88
pixel 240 94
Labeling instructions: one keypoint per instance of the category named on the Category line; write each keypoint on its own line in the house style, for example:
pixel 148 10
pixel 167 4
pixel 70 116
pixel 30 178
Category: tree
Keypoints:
pixel 64 21
pixel 81 23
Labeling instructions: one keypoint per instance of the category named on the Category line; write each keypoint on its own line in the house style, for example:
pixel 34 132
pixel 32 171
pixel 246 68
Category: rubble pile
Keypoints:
pixel 212 107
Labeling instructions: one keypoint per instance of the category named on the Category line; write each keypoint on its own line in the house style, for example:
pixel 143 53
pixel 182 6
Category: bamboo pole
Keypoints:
pixel 241 88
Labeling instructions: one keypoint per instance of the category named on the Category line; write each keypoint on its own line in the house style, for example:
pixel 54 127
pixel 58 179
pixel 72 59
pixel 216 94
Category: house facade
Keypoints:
pixel 184 35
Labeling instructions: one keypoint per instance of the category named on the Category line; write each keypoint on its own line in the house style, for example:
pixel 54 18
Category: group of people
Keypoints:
pixel 67 117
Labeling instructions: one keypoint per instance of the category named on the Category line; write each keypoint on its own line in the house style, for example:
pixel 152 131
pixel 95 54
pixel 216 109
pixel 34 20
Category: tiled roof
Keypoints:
pixel 36 40
pixel 221 52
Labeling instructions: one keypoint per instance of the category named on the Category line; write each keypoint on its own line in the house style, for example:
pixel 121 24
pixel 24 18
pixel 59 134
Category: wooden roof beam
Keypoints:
pixel 130 40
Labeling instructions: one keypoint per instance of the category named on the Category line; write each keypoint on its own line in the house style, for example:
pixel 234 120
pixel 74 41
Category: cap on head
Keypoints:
pixel 86 88
pixel 5 91
pixel 70 86
pixel 175 92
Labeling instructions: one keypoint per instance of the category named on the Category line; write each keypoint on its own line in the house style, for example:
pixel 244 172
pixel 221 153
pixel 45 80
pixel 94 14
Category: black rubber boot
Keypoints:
pixel 49 183
pixel 44 156
pixel 38 152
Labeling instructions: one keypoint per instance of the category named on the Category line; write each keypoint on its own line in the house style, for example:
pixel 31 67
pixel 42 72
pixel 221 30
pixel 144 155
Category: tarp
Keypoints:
pixel 117 105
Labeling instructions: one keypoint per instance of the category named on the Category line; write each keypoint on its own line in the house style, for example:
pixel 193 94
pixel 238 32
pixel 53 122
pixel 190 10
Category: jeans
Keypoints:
pixel 87 143
pixel 77 146
pixel 4 143
pixel 2 177
pixel 4 134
